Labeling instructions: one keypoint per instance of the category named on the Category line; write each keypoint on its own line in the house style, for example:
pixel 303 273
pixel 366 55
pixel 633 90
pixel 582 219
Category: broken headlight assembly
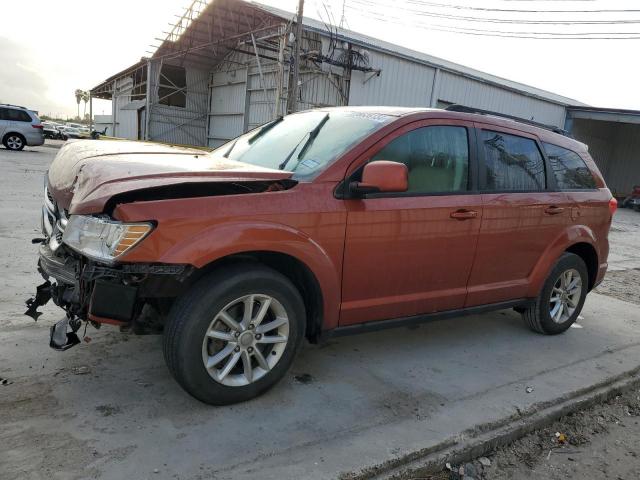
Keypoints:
pixel 103 239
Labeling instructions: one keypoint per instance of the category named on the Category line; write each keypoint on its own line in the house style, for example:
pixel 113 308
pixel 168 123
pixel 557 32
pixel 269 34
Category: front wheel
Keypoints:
pixel 234 334
pixel 562 297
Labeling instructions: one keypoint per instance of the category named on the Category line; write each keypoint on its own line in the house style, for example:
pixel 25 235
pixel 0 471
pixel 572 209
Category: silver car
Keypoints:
pixel 19 127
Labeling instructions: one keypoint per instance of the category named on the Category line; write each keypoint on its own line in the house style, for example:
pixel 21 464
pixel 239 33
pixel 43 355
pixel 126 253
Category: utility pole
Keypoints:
pixel 292 100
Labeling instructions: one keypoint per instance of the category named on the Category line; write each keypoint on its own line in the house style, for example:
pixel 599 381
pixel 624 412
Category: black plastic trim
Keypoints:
pixel 429 317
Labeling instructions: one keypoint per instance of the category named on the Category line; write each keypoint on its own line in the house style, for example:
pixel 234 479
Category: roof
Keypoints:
pixel 619 115
pixel 397 50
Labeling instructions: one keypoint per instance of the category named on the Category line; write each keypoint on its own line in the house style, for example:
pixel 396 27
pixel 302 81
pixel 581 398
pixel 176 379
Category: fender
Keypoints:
pixel 572 235
pixel 235 237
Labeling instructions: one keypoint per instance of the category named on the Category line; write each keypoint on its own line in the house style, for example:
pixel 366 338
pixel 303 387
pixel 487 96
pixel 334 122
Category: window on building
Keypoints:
pixel 569 169
pixel 173 85
pixel 139 89
pixel 512 163
pixel 437 158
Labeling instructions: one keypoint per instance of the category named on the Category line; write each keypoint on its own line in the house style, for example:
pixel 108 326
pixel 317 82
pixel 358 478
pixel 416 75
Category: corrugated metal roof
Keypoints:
pixel 387 47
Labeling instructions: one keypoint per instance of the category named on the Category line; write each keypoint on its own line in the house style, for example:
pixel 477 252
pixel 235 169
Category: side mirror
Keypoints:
pixel 381 176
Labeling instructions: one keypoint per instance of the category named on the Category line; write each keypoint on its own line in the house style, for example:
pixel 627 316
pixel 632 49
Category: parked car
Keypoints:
pixel 325 222
pixel 70 132
pixel 633 200
pixel 50 130
pixel 19 127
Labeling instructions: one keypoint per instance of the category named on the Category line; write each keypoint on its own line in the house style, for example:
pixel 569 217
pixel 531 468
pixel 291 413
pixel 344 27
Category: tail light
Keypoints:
pixel 38 126
pixel 613 205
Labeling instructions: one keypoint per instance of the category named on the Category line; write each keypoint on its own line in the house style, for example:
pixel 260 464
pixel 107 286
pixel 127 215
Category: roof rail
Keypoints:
pixel 9 105
pixel 464 109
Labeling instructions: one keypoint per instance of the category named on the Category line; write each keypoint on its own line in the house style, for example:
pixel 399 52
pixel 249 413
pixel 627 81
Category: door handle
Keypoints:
pixel 463 214
pixel 553 210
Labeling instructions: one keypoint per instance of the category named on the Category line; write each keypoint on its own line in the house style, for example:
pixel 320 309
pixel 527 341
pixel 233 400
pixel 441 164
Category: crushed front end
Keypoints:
pixel 130 295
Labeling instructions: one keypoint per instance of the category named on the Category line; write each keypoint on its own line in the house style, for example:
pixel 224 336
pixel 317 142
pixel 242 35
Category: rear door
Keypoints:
pixel 522 214
pixel 411 253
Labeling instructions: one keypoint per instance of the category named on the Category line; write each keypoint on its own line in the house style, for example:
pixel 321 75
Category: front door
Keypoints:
pixel 521 216
pixel 411 253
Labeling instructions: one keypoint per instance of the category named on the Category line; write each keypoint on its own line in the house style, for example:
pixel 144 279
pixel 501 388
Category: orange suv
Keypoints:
pixel 325 222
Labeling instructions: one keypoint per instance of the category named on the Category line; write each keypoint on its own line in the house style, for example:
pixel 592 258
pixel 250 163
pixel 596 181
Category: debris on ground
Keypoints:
pixel 529 389
pixel 108 410
pixel 81 370
pixel 303 378
pixel 4 381
pixel 607 434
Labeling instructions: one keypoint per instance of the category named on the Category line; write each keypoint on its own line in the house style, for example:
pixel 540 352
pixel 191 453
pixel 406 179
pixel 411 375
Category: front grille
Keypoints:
pixel 54 220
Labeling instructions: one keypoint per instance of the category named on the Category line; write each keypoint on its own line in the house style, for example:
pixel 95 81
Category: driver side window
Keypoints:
pixel 437 158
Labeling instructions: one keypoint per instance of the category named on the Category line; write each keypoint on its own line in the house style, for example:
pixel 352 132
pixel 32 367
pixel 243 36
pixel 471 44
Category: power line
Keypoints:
pixel 504 34
pixel 516 10
pixel 424 13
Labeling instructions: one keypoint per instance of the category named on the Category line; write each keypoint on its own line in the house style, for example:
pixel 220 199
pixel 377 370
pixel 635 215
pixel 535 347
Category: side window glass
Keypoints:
pixel 513 163
pixel 437 158
pixel 4 115
pixel 569 169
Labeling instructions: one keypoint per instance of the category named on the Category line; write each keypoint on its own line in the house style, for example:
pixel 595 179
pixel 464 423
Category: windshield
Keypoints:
pixel 304 143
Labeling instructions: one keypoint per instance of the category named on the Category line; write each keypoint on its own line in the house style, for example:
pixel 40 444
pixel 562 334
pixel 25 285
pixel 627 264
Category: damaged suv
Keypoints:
pixel 329 221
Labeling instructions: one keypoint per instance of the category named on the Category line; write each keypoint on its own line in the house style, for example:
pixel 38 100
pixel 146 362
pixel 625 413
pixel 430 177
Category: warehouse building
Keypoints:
pixel 224 68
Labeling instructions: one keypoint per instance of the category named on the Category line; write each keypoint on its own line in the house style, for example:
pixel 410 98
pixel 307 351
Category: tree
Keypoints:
pixel 79 94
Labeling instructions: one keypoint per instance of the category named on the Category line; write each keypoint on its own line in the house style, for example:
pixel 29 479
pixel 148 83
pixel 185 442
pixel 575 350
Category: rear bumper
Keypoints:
pixel 35 138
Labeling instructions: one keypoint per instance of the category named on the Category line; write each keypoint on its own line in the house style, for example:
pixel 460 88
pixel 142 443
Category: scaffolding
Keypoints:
pixel 214 35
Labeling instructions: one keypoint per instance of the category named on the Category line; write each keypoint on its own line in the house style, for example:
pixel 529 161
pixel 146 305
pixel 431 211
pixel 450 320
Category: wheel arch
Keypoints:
pixel 589 255
pixel 578 239
pixel 302 277
pixel 8 134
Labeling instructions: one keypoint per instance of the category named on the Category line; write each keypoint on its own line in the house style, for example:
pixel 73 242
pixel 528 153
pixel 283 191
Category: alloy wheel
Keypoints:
pixel 14 142
pixel 565 296
pixel 245 340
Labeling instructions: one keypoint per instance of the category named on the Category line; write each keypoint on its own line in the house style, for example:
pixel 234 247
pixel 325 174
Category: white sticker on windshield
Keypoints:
pixel 374 117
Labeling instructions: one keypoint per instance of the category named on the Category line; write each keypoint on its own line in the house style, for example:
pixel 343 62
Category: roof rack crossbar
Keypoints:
pixel 464 109
pixel 10 105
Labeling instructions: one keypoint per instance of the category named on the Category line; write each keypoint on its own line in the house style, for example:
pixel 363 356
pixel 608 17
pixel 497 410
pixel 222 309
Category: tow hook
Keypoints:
pixel 61 338
pixel 43 295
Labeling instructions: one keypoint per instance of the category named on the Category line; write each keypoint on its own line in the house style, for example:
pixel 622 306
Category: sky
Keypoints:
pixel 72 44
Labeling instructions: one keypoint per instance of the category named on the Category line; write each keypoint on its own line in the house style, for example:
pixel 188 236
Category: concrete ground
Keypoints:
pixel 357 407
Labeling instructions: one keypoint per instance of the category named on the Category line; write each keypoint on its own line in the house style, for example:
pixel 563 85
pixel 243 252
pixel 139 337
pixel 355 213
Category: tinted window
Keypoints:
pixel 512 163
pixel 14 115
pixel 437 158
pixel 569 169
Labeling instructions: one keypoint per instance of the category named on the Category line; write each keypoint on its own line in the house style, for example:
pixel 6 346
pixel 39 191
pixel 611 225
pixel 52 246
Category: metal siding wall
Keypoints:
pixel 455 88
pixel 182 125
pixel 227 108
pixel 401 83
pixel 126 119
pixel 598 136
pixel 624 172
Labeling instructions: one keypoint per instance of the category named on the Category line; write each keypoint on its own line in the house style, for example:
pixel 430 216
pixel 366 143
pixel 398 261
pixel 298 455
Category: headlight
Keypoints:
pixel 102 239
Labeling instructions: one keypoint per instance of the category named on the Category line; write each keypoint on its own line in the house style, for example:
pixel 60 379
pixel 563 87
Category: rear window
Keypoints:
pixel 569 168
pixel 512 163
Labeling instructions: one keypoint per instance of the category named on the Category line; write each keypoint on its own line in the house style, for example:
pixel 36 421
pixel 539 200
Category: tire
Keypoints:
pixel 14 141
pixel 538 316
pixel 196 317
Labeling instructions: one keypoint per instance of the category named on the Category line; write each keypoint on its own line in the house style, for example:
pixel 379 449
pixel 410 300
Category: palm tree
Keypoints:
pixel 78 94
pixel 85 99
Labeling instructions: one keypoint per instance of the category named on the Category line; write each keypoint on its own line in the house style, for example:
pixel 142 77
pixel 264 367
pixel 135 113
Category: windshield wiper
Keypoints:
pixel 226 154
pixel 264 129
pixel 312 136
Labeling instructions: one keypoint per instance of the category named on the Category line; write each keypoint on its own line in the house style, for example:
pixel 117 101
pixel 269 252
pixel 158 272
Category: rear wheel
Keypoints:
pixel 234 334
pixel 562 297
pixel 14 141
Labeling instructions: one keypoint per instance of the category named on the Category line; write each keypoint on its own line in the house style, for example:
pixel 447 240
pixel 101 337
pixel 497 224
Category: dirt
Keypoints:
pixel 602 441
pixel 623 285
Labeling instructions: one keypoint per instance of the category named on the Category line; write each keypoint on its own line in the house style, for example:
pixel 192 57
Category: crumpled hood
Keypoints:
pixel 86 174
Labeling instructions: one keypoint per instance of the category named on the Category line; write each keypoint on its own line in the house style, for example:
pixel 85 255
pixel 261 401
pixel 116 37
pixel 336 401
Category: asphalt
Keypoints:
pixel 365 406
